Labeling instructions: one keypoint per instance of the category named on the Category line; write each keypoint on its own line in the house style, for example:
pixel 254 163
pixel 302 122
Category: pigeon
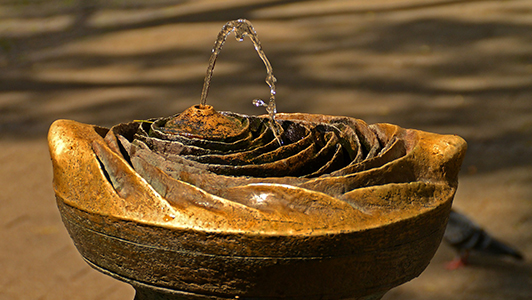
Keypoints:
pixel 465 235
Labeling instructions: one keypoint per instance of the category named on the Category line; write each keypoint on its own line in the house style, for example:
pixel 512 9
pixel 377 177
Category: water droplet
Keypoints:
pixel 259 102
pixel 239 35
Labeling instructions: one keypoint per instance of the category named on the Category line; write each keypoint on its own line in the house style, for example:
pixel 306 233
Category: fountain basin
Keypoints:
pixel 129 231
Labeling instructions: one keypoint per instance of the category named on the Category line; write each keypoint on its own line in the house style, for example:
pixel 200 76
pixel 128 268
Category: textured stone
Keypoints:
pixel 359 230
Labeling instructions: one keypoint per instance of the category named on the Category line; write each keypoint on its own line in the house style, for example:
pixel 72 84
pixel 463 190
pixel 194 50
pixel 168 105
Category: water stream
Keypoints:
pixel 243 28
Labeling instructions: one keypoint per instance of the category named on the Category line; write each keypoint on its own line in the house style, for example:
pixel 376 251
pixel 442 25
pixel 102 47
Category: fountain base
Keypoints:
pixel 149 292
pixel 155 294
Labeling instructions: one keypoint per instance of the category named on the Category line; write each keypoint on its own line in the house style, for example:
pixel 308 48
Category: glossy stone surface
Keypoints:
pixel 353 235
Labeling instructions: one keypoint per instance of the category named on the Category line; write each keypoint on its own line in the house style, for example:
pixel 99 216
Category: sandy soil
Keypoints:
pixel 462 67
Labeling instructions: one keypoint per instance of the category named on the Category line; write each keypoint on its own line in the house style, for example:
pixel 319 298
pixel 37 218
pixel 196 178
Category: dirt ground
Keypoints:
pixel 461 67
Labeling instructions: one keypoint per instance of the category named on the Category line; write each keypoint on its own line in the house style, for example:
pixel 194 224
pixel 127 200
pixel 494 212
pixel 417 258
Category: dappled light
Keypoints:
pixel 450 67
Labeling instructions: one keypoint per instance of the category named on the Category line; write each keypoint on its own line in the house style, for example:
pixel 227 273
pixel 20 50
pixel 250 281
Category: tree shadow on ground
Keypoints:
pixel 440 73
pixel 29 118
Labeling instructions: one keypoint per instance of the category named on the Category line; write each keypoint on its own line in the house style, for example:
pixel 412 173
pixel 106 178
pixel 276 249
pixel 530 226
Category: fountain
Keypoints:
pixel 220 205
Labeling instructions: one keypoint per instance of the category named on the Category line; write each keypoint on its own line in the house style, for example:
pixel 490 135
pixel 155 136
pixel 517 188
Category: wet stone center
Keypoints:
pixel 203 122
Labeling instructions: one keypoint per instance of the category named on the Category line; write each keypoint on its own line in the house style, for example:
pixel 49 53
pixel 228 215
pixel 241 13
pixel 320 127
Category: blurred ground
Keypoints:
pixel 462 67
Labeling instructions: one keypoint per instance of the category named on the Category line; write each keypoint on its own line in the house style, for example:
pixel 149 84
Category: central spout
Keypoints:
pixel 204 122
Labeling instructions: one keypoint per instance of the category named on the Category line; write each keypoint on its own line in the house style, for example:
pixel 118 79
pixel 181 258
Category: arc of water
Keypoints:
pixel 243 28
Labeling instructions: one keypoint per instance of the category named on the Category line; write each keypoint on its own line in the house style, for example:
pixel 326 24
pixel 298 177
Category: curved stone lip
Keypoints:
pixel 256 245
pixel 80 180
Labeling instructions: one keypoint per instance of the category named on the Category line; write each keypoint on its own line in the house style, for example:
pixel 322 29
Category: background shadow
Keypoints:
pixel 461 67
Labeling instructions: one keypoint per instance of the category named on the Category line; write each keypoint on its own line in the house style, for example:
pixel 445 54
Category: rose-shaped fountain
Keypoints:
pixel 219 205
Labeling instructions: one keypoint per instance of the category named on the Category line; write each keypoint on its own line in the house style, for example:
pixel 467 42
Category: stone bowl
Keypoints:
pixel 126 229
